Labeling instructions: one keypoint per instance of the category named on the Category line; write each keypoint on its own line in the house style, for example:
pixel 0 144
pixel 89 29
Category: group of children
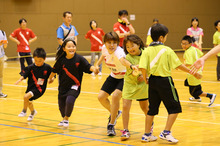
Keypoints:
pixel 143 74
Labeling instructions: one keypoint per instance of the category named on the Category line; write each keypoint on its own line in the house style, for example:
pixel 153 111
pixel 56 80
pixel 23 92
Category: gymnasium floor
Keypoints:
pixel 198 125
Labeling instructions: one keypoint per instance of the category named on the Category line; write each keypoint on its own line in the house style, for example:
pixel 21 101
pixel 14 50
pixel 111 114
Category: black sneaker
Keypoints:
pixel 118 115
pixel 111 130
pixel 3 95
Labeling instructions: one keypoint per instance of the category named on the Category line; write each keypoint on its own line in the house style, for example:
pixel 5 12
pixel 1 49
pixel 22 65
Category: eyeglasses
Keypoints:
pixel 184 44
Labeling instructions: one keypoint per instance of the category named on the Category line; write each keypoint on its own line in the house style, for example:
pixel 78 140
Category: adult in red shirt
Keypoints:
pixel 123 27
pixel 95 36
pixel 22 36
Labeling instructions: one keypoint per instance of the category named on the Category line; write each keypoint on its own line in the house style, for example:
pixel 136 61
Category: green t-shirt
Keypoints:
pixel 133 89
pixel 216 39
pixel 159 60
pixel 190 56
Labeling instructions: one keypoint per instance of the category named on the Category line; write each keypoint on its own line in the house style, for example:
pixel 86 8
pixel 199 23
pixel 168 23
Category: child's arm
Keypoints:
pixel 127 64
pixel 19 80
pixel 201 61
pixel 51 77
pixel 99 61
pixel 185 69
pixel 144 73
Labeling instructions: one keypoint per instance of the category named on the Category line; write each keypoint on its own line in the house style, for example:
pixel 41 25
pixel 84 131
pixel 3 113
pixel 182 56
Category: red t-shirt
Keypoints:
pixel 23 36
pixel 95 37
pixel 122 29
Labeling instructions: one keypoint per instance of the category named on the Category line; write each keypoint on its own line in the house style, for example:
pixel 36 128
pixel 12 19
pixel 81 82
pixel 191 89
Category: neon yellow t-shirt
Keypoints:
pixel 216 39
pixel 190 56
pixel 133 89
pixel 159 60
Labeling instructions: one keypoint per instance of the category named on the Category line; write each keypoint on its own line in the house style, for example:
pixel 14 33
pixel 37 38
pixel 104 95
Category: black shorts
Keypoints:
pixel 142 99
pixel 111 84
pixel 195 91
pixel 36 94
pixel 162 89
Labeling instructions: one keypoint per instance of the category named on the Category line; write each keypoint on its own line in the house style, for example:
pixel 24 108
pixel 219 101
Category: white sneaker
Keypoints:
pixel 146 138
pixel 193 99
pixel 3 95
pixel 65 123
pixel 31 117
pixel 212 99
pixel 100 73
pixel 22 114
pixel 125 135
pixel 168 137
pixel 60 124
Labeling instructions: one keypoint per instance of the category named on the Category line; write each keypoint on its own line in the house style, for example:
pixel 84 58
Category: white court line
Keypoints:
pixel 55 88
pixel 97 109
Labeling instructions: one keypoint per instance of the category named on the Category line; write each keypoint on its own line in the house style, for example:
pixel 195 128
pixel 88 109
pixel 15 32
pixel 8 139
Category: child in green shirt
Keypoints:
pixel 216 41
pixel 159 60
pixel 190 56
pixel 134 87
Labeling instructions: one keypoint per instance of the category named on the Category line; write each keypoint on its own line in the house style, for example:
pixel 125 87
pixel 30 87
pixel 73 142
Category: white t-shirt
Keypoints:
pixel 113 63
pixel 149 31
pixel 2 37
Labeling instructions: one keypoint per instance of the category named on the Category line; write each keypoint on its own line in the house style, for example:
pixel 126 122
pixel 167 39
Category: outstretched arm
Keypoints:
pixel 201 61
pixel 19 80
pixel 186 69
pixel 127 64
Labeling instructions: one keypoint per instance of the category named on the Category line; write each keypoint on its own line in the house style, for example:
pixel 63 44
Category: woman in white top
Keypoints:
pixel 114 57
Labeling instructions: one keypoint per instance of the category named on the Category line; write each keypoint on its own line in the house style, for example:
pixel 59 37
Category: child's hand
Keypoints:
pixel 140 78
pixel 134 67
pixel 51 80
pixel 96 70
pixel 198 75
pixel 17 82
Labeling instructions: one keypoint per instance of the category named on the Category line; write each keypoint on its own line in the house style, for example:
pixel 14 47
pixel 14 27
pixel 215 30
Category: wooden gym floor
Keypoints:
pixel 198 125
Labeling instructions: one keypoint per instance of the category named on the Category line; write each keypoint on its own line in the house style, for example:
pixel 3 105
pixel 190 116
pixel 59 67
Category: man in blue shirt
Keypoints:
pixel 66 30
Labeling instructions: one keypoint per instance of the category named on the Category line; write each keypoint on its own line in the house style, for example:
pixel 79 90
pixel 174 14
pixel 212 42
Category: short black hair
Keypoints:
pixel 158 30
pixel 21 20
pixel 188 38
pixel 40 53
pixel 66 12
pixel 123 12
pixel 90 24
pixel 195 18
pixel 216 24
pixel 111 36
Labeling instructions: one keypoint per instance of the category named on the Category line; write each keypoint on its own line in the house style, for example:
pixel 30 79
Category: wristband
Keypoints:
pixel 131 66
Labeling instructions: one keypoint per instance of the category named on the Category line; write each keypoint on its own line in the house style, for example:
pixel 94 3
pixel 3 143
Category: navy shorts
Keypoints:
pixel 111 84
